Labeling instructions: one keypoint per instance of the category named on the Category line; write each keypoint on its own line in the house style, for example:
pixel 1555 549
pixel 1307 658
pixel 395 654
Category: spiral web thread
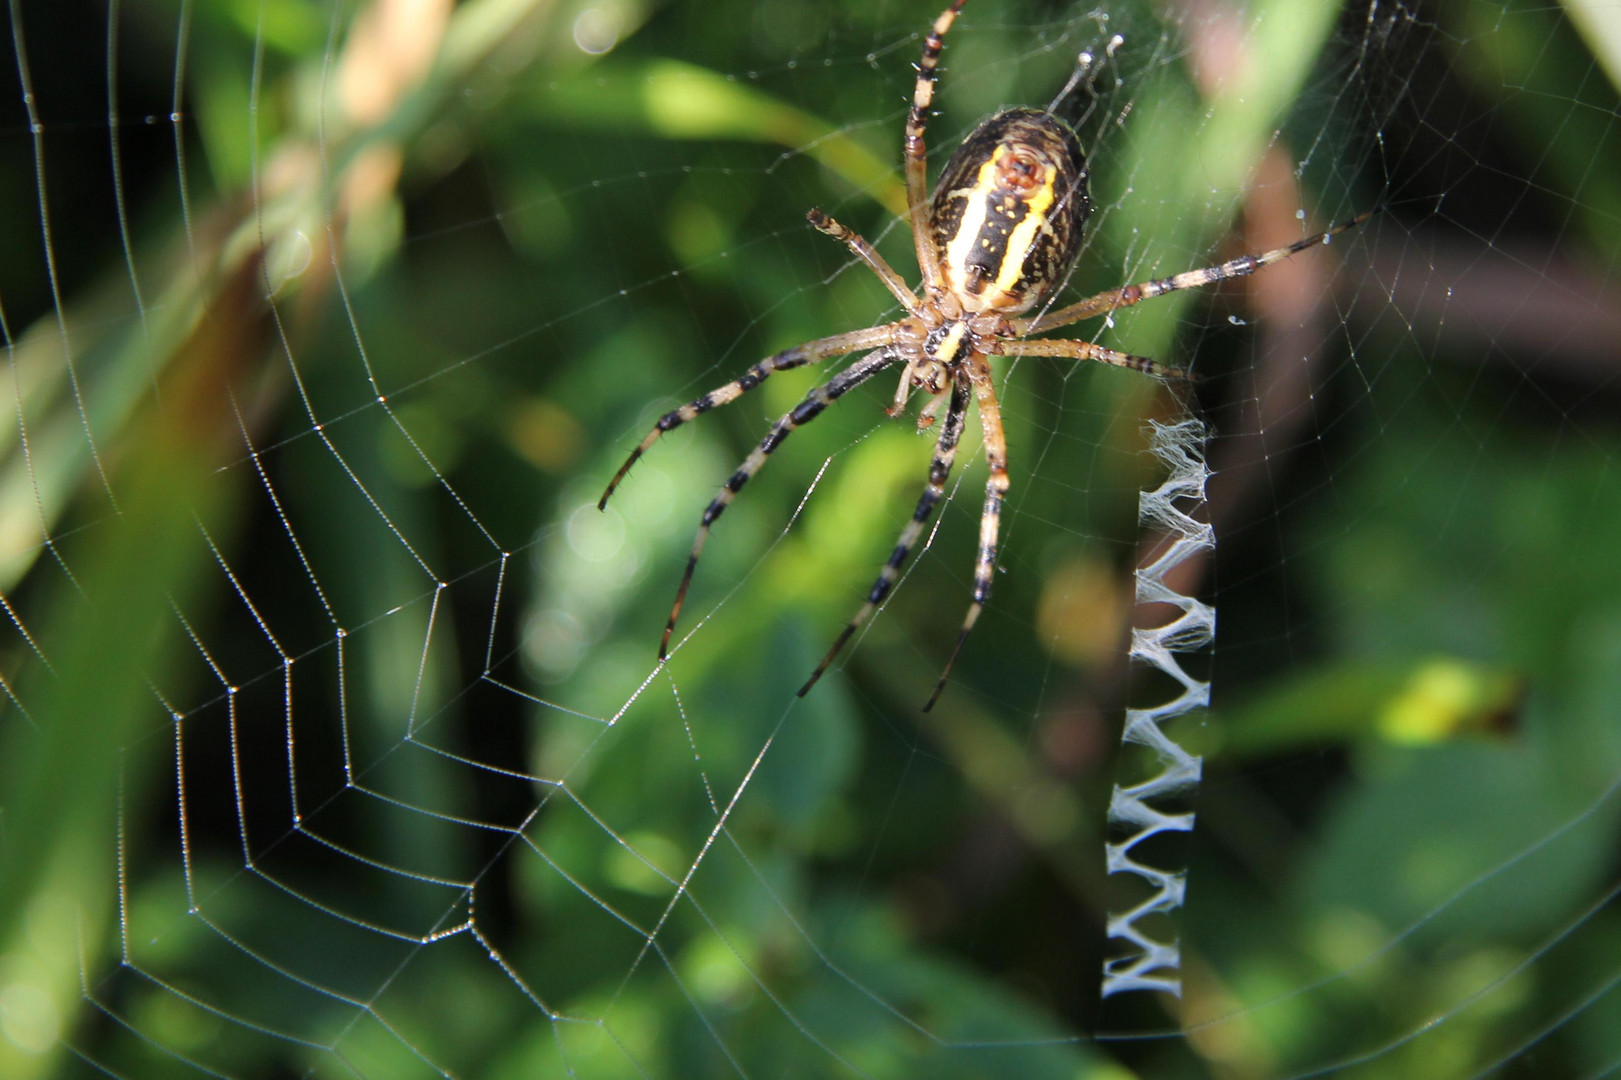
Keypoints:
pixel 1148 962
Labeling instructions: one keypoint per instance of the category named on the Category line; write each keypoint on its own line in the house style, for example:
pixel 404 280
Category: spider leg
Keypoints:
pixel 809 353
pixel 803 413
pixel 865 252
pixel 1243 266
pixel 917 166
pixel 990 421
pixel 939 469
pixel 1086 350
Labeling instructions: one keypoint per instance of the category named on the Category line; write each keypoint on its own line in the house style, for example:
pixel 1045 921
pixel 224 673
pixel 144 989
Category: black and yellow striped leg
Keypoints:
pixel 945 452
pixel 1114 299
pixel 809 353
pixel 803 413
pixel 917 165
pixel 1086 350
pixel 866 253
pixel 996 488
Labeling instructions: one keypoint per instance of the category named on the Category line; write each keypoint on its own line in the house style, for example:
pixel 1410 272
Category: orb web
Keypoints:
pixel 332 736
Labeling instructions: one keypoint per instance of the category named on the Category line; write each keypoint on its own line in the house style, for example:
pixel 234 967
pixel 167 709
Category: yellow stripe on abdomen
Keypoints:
pixel 1023 239
pixel 986 256
pixel 976 203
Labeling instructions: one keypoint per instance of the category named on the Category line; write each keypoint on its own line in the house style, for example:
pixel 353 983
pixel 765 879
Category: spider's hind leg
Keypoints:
pixel 916 153
pixel 1127 295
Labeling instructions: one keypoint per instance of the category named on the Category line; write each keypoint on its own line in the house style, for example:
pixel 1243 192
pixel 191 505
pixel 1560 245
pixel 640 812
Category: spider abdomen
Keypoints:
pixel 1008 211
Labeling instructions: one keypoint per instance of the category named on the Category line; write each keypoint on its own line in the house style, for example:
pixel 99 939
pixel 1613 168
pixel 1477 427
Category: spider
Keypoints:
pixel 994 241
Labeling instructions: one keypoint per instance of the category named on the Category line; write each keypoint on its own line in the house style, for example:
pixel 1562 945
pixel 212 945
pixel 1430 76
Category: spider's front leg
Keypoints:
pixel 809 353
pixel 996 488
pixel 1086 350
pixel 945 452
pixel 803 413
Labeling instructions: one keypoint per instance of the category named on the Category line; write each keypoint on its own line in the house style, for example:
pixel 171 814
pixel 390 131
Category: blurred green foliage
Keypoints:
pixel 333 741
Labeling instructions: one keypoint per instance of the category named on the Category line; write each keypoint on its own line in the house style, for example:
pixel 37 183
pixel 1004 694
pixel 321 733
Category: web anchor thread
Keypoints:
pixel 1149 963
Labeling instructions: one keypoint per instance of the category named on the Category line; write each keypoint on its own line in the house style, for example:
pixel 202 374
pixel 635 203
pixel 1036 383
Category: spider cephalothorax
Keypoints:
pixel 996 240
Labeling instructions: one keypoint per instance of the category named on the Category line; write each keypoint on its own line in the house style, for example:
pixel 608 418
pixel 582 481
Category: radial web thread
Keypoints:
pixel 1147 962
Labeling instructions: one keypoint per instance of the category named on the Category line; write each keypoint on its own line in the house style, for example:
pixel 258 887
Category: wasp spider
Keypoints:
pixel 994 241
